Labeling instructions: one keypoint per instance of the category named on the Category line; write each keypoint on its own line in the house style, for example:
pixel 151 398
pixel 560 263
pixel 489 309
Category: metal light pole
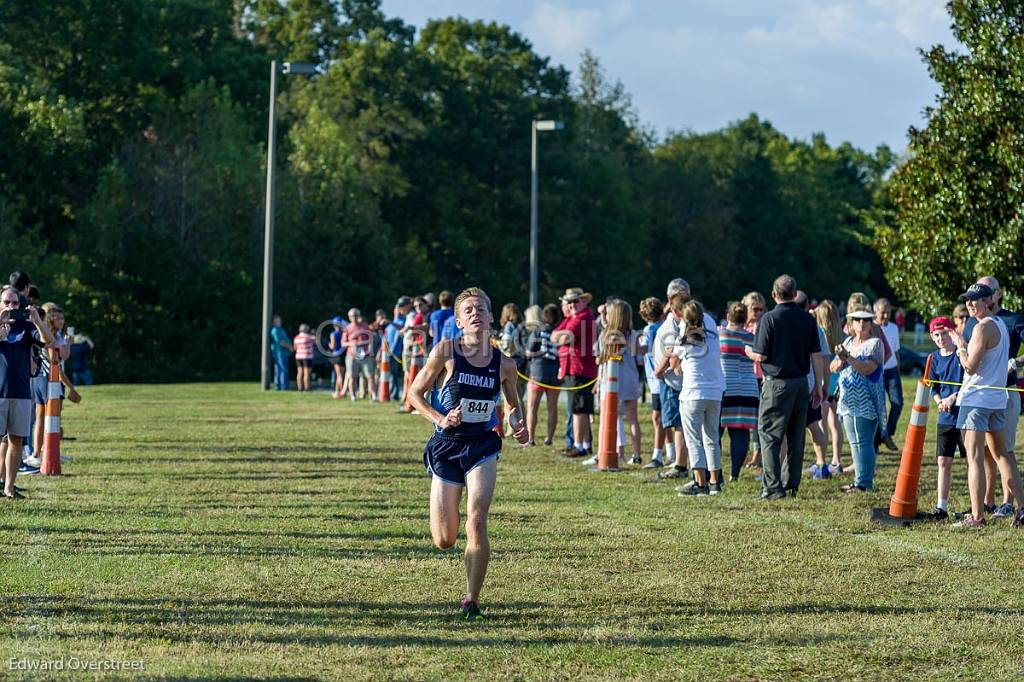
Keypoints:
pixel 541 126
pixel 268 229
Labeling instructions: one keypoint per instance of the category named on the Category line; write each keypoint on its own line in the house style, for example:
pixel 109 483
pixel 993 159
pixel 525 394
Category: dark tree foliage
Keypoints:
pixel 132 152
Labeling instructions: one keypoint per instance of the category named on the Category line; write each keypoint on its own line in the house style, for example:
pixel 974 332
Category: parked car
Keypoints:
pixel 911 362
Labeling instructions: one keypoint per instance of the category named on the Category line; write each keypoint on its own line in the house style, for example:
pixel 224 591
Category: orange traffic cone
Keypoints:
pixel 415 360
pixel 51 437
pixel 384 390
pixel 902 509
pixel 608 451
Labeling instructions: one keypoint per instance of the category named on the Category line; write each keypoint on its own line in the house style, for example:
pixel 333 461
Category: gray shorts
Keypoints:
pixel 356 366
pixel 1012 415
pixel 980 419
pixel 16 416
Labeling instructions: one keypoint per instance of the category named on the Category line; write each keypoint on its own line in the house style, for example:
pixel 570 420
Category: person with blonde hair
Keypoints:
pixel 827 317
pixel 543 358
pixel 466 378
pixel 618 340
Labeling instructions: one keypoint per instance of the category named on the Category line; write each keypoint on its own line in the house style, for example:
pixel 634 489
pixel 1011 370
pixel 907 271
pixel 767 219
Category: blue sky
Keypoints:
pixel 849 69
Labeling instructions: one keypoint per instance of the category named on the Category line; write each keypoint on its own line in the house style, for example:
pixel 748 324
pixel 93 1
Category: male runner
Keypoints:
pixel 466 377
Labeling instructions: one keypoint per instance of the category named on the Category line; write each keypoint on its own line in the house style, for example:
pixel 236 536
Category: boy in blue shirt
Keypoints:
pixel 948 441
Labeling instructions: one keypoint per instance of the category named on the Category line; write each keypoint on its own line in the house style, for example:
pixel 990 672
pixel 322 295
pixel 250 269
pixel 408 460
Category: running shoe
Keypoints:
pixel 888 442
pixel 1019 521
pixel 655 463
pixel 937 514
pixel 635 460
pixel 686 487
pixel 969 523
pixel 854 489
pixel 716 489
pixel 675 472
pixel 696 491
pixel 32 461
pixel 821 473
pixel 812 470
pixel 590 461
pixel 990 509
pixel 471 610
pixel 26 470
pixel 835 469
pixel 1003 511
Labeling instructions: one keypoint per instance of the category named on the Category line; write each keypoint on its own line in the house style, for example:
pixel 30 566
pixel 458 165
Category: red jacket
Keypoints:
pixel 577 358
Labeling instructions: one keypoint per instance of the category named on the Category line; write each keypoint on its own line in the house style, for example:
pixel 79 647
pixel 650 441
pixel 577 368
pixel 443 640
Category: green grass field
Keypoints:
pixel 216 531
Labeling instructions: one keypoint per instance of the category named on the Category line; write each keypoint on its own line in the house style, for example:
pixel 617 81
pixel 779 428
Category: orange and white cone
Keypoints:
pixel 903 505
pixel 51 431
pixel 384 390
pixel 608 452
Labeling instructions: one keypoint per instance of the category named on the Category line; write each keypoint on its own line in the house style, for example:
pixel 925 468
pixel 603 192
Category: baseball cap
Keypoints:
pixel 977 291
pixel 860 315
pixel 338 320
pixel 941 322
pixel 403 301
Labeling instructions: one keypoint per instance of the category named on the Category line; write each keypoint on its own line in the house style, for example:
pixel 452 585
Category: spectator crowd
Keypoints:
pixel 763 377
pixel 31 335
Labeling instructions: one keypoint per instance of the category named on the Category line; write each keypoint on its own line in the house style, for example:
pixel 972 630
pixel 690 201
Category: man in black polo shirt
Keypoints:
pixel 786 338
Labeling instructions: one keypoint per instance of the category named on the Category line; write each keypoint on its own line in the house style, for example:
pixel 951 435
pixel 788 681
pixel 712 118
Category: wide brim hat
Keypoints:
pixel 576 294
pixel 860 315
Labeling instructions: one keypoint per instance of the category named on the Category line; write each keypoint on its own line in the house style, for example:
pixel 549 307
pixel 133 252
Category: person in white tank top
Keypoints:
pixel 982 400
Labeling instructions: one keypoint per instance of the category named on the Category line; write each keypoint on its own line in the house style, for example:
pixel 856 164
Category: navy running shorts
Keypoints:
pixel 451 458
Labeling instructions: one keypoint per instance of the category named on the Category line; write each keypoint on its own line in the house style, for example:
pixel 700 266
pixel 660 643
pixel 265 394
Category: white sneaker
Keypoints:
pixel 32 461
pixel 590 461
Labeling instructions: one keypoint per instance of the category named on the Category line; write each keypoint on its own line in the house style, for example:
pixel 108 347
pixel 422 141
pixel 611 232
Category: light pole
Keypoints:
pixel 537 126
pixel 301 68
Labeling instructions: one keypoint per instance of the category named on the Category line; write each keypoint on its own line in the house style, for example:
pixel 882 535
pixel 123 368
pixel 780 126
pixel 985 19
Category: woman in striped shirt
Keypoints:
pixel 303 345
pixel 741 399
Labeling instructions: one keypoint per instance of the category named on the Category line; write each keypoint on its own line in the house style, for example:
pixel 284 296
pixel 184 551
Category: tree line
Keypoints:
pixel 132 164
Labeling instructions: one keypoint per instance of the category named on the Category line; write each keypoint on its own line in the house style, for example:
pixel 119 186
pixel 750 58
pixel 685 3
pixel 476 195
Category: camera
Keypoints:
pixel 19 314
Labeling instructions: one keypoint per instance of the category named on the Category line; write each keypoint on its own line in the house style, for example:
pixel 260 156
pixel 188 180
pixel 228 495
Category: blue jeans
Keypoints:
pixel 860 431
pixel 281 372
pixel 894 390
pixel 83 378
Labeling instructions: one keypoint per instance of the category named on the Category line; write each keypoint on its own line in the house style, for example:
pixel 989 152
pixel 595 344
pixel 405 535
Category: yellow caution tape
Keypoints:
pixel 929 382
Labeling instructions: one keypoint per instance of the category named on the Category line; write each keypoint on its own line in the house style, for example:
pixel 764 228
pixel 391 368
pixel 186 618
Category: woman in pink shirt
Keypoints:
pixel 303 345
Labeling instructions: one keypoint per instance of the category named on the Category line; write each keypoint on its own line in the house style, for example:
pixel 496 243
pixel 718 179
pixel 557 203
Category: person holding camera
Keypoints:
pixel 20 330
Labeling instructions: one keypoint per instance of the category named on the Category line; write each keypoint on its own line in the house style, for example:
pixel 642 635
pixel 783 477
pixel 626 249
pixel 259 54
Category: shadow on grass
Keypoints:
pixel 438 623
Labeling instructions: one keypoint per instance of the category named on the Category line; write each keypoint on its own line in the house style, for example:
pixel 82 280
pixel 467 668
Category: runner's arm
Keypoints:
pixel 424 381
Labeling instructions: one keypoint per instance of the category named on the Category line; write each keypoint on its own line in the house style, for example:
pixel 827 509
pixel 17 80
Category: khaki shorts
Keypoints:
pixel 1012 415
pixel 16 416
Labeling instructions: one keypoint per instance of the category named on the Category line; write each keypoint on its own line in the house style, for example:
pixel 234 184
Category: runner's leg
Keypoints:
pixel 444 512
pixel 479 491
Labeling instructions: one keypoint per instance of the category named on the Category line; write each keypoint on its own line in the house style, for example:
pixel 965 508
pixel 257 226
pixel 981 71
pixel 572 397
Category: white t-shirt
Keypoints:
pixel 892 335
pixel 668 335
pixel 703 378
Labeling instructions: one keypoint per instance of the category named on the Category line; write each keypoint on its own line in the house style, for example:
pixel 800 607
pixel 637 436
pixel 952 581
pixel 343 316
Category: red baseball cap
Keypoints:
pixel 940 323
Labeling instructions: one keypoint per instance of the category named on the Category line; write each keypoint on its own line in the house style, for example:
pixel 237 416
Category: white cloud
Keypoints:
pixel 562 30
